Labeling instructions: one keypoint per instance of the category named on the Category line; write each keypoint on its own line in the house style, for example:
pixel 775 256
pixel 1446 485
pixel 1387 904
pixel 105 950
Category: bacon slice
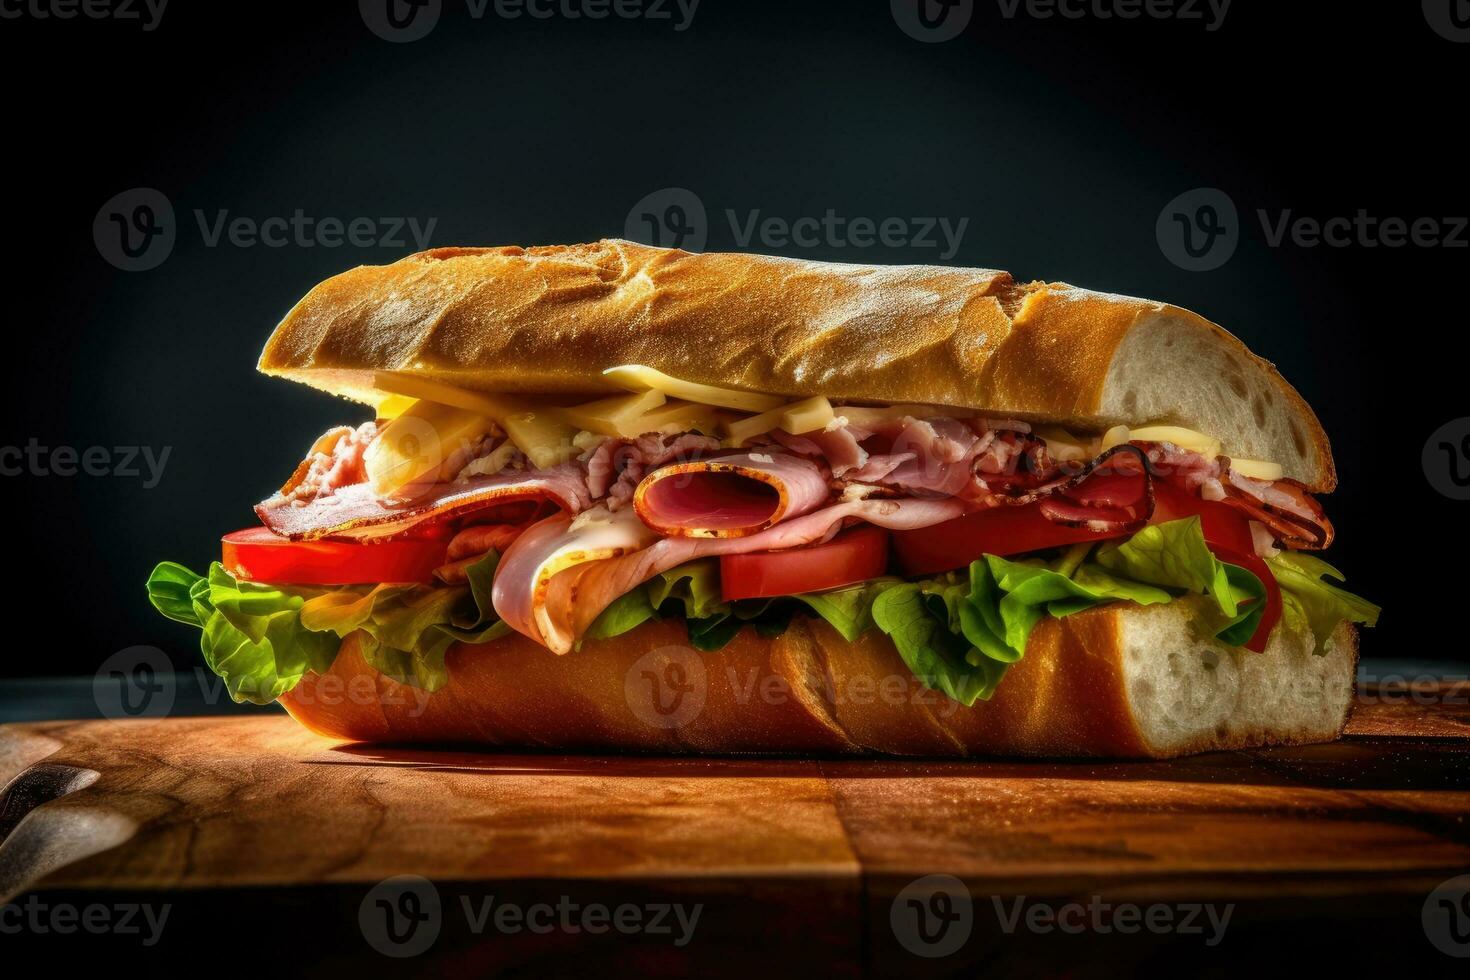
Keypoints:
pixel 730 497
pixel 558 578
pixel 354 511
pixel 1284 507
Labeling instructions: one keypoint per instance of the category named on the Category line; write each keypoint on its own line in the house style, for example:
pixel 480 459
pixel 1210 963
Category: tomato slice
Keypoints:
pixel 1000 531
pixel 260 555
pixel 852 556
pixel 1252 563
pixel 1221 523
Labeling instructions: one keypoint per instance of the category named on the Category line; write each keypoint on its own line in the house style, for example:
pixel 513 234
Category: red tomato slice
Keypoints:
pixel 260 555
pixel 1222 524
pixel 1251 563
pixel 1000 531
pixel 852 556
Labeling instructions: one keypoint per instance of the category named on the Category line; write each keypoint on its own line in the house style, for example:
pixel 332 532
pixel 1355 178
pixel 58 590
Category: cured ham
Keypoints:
pixel 732 496
pixel 558 577
pixel 355 511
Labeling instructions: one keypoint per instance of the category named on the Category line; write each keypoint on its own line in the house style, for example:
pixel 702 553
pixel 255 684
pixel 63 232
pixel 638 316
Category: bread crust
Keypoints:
pixel 548 320
pixel 807 691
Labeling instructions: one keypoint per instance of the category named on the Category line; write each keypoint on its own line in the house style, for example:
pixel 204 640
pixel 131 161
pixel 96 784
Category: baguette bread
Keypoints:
pixel 1116 681
pixel 548 320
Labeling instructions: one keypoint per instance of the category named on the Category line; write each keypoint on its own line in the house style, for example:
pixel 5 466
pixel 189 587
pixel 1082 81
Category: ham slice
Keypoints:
pixel 558 577
pixel 354 511
pixel 730 497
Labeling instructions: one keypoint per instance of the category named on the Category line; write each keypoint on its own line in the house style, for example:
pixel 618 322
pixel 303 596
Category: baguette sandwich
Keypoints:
pixel 616 497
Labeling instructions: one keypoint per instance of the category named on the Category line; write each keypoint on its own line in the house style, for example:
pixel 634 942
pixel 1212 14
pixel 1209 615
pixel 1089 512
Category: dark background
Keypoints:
pixel 1061 141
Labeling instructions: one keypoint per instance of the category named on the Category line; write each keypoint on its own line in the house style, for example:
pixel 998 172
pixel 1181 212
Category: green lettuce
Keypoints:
pixel 262 639
pixel 1306 600
pixel 252 635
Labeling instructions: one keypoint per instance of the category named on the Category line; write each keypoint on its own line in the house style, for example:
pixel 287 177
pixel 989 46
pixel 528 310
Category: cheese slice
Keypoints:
pixel 617 416
pixel 531 425
pixel 1257 469
pixel 637 377
pixel 677 415
pixel 423 443
pixel 798 417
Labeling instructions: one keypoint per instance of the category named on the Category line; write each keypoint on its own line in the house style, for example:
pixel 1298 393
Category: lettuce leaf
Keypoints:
pixel 937 655
pixel 251 636
pixel 1308 600
pixel 1174 555
pixel 262 639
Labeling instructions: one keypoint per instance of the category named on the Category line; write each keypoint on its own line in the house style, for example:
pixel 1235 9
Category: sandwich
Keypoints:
pixel 613 497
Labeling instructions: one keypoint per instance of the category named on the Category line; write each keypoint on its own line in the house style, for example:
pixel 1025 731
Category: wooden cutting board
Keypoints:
pixel 268 841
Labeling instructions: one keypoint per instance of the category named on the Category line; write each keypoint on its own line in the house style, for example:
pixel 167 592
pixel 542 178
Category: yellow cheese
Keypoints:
pixel 534 428
pixel 681 416
pixel 616 416
pixel 636 377
pixel 545 439
pixel 1115 436
pixel 492 406
pixel 1198 442
pixel 425 442
pixel 796 418
pixel 1062 446
pixel 1257 469
pixel 394 406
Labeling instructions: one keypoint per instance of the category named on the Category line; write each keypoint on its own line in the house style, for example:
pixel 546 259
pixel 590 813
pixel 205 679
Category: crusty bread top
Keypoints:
pixel 548 320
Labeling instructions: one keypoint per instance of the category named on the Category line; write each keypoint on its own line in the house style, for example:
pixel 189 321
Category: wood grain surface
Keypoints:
pixel 801 860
